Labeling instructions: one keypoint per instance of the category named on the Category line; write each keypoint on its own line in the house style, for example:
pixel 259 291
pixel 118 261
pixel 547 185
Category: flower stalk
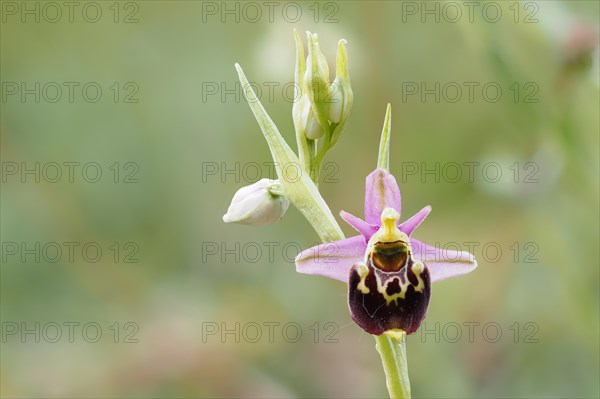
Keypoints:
pixel 392 350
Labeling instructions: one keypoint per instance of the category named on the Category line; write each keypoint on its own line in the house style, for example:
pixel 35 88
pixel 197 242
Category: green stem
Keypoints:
pixel 316 158
pixel 393 357
pixel 325 146
pixel 314 167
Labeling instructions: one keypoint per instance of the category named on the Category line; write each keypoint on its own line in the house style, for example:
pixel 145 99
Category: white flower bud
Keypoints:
pixel 257 204
pixel 336 102
pixel 313 129
pixel 342 97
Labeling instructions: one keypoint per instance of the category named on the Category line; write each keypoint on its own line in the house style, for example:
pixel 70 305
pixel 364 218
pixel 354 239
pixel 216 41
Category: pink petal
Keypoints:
pixel 411 224
pixel 443 263
pixel 381 192
pixel 364 228
pixel 333 259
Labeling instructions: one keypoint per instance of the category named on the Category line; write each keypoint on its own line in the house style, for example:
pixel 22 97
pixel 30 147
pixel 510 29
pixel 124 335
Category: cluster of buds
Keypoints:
pixel 324 106
pixel 319 113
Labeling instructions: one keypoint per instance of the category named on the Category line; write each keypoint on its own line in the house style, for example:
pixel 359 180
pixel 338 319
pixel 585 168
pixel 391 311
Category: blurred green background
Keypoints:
pixel 160 130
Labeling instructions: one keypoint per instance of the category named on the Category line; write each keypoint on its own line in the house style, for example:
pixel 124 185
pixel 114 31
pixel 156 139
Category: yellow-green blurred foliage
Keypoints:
pixel 175 54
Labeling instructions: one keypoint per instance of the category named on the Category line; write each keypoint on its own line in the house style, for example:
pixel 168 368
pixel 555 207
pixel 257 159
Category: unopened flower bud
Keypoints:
pixel 257 204
pixel 342 97
pixel 336 102
pixel 308 124
pixel 316 81
pixel 313 129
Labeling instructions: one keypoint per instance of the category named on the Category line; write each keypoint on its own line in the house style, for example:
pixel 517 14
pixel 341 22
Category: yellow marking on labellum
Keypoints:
pixel 417 269
pixel 363 272
pixel 396 333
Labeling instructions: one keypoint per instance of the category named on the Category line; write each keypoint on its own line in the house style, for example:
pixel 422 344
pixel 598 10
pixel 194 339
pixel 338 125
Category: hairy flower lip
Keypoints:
pixel 380 301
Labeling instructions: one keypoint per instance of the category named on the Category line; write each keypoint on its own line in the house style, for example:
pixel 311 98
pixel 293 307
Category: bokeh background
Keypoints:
pixel 178 277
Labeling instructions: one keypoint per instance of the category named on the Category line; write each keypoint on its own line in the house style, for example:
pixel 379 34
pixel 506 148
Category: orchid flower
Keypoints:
pixel 389 273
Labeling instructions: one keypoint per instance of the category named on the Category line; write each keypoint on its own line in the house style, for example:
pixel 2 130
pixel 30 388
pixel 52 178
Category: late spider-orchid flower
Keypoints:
pixel 389 273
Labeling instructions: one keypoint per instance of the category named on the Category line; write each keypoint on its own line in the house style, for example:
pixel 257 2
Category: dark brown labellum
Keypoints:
pixel 380 300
